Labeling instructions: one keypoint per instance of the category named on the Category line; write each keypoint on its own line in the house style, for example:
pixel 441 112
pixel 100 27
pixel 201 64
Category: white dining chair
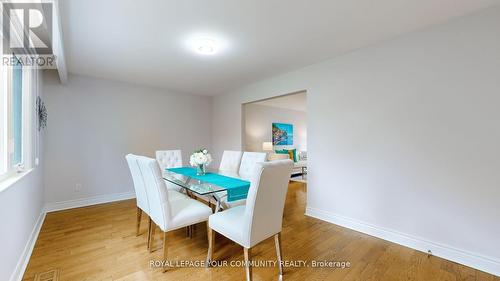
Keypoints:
pixel 140 189
pixel 141 192
pixel 262 215
pixel 247 164
pixel 230 162
pixel 248 161
pixel 169 159
pixel 168 214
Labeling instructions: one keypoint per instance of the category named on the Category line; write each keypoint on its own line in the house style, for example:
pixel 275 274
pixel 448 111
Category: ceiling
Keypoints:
pixel 296 101
pixel 144 42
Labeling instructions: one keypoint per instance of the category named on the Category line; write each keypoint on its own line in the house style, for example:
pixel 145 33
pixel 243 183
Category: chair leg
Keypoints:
pixel 211 240
pixel 188 230
pixel 165 250
pixel 279 253
pixel 248 267
pixel 149 232
pixel 138 226
pixel 191 230
pixel 152 237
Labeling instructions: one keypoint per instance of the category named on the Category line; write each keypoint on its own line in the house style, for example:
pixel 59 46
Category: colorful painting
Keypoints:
pixel 282 134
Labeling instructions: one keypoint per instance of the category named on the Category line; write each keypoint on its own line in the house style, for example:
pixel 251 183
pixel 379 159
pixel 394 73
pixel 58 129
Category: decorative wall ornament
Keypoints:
pixel 42 113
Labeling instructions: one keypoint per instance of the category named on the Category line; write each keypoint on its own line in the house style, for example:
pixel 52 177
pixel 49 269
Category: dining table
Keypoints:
pixel 220 186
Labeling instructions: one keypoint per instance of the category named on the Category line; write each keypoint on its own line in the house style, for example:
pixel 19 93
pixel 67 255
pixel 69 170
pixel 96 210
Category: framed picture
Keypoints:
pixel 282 134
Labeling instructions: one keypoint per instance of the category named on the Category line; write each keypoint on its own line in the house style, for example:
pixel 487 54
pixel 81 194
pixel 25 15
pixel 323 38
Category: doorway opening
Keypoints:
pixel 278 126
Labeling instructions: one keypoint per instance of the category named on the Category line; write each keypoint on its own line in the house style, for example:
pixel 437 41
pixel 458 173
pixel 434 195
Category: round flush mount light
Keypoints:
pixel 206 43
pixel 206 46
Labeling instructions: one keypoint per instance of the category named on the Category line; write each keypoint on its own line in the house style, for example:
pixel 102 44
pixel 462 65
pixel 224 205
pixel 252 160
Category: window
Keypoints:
pixel 16 119
pixel 15 142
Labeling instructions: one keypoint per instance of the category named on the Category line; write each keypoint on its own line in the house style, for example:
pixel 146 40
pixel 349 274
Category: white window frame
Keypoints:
pixel 28 117
pixel 30 135
pixel 29 87
pixel 3 124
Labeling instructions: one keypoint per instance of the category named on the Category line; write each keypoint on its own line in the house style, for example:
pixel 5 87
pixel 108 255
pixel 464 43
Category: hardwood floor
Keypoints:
pixel 100 243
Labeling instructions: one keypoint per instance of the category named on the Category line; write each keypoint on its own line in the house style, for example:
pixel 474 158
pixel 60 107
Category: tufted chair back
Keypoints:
pixel 156 191
pixel 169 158
pixel 266 200
pixel 139 187
pixel 248 161
pixel 230 161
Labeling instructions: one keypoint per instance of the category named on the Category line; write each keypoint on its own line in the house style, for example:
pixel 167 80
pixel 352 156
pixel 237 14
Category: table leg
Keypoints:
pixel 218 202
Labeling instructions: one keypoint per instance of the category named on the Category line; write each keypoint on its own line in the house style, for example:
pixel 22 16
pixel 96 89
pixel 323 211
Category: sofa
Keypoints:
pixel 299 167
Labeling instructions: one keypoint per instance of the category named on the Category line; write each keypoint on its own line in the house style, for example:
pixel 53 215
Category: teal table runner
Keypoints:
pixel 237 189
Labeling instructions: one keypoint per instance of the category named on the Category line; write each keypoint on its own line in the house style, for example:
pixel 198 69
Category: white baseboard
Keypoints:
pixel 18 273
pixel 474 260
pixel 83 202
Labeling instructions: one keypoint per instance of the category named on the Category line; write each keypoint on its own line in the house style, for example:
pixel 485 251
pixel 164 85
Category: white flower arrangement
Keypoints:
pixel 200 157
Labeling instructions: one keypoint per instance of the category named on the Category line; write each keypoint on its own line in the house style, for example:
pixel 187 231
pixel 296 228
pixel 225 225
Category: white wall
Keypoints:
pixel 94 123
pixel 258 126
pixel 21 216
pixel 21 212
pixel 403 138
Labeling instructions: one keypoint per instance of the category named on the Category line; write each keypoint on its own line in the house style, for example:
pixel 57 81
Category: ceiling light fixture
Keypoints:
pixel 206 46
